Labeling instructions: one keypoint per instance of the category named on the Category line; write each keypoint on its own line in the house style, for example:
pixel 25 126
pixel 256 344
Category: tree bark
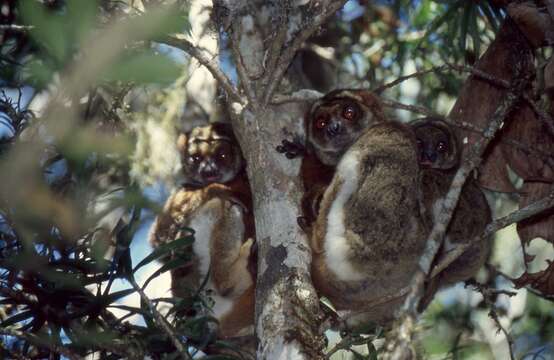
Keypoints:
pixel 264 37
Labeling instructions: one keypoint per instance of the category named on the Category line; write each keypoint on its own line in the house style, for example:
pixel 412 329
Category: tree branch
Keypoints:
pixel 241 70
pixel 210 64
pixel 37 341
pixel 286 57
pixel 401 79
pixel 14 27
pixel 399 347
pixel 489 294
pixel 530 210
pixel 303 95
pixel 160 320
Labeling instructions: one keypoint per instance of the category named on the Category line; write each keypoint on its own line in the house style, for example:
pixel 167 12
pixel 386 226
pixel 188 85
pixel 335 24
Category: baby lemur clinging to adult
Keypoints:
pixel 215 201
pixel 439 157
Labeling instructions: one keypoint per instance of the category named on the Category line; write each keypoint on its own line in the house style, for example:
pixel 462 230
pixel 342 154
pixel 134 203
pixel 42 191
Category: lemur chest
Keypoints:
pixel 203 224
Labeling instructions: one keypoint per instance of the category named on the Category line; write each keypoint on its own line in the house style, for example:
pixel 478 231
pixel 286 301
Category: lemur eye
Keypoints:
pixel 350 112
pixel 320 122
pixel 441 146
pixel 222 156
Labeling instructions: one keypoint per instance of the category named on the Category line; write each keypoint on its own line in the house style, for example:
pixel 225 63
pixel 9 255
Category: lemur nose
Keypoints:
pixel 208 168
pixel 333 129
pixel 431 156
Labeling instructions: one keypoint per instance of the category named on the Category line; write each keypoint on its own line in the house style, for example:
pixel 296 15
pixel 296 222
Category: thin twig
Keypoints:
pixel 290 51
pixel 493 80
pixel 401 79
pixel 530 210
pixel 279 40
pixel 309 95
pixel 497 272
pixel 543 116
pixel 489 295
pixel 38 341
pixel 346 343
pixel 303 95
pixel 399 348
pixel 14 27
pixel 546 156
pixel 241 70
pixel 210 64
pixel 412 108
pixel 160 320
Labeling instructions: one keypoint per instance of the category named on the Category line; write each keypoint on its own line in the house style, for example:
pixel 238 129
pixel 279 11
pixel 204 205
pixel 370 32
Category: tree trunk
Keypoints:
pixel 264 37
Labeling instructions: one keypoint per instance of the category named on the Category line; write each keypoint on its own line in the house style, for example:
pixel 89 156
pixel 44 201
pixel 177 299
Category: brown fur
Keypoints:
pixel 229 204
pixel 471 215
pixel 383 228
pixel 318 165
pixel 468 221
pixel 329 149
pixel 428 132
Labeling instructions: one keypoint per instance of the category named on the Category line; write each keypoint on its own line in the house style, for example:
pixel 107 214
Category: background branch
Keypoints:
pixel 399 346
pixel 211 65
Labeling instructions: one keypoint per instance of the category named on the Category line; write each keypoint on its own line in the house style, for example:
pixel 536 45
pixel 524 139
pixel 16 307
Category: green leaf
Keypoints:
pixel 80 15
pixel 48 29
pixel 117 295
pixel 17 318
pixel 468 10
pixel 147 316
pixel 490 15
pixel 438 22
pixel 165 249
pixel 328 304
pixel 358 356
pixel 38 72
pixel 131 309
pixel 170 265
pixel 423 15
pixel 144 68
pixel 474 28
pixel 371 351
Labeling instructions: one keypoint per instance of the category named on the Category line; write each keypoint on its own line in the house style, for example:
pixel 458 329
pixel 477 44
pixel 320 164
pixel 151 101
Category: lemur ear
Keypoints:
pixel 182 143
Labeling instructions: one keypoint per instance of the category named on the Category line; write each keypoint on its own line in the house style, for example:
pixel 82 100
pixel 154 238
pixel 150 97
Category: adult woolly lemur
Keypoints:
pixel 215 201
pixel 439 157
pixel 333 124
pixel 369 234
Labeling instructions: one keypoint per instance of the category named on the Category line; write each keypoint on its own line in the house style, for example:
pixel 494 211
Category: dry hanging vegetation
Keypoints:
pixel 106 76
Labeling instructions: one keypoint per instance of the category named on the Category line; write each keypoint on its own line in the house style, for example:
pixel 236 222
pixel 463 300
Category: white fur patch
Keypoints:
pixel 336 246
pixel 203 224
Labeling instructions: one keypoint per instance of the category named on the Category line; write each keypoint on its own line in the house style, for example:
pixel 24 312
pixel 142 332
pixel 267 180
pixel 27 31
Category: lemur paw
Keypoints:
pixel 291 149
pixel 246 247
pixel 235 201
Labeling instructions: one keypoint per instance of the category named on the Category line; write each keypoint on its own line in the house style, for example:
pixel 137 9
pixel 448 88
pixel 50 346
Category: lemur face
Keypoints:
pixel 210 154
pixel 338 119
pixel 437 147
